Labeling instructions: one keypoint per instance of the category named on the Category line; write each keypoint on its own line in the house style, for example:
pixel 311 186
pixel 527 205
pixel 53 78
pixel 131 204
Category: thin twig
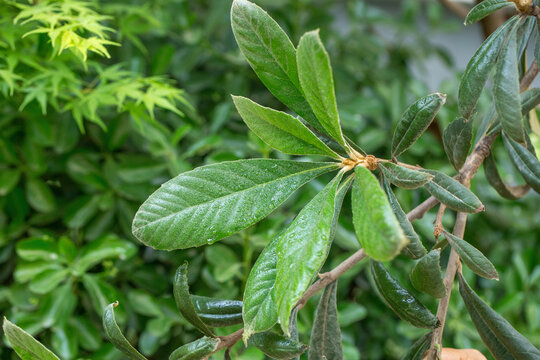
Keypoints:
pixel 438 227
pixel 229 341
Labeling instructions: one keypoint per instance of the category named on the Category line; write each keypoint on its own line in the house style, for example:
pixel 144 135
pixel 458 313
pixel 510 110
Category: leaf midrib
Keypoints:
pixel 226 196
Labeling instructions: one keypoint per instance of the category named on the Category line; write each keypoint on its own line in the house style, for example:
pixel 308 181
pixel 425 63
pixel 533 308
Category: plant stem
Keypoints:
pixel 325 279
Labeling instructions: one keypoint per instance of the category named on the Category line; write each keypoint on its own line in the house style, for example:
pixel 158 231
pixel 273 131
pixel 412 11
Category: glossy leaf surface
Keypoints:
pixel 426 276
pixel 478 69
pixel 115 336
pixel 457 139
pixel 495 180
pixel 195 350
pixel 419 348
pixel 211 202
pixel 529 100
pixel 414 249
pixel 415 121
pixel 483 9
pixel 271 55
pixel 217 312
pixel 526 163
pixel 302 250
pixel 502 340
pixel 277 346
pixel 325 342
pixel 375 224
pixel 401 301
pixel 24 344
pixel 404 177
pixel 279 130
pixel 506 90
pixel 472 257
pixel 452 193
pixel 184 302
pixel 317 82
pixel 259 304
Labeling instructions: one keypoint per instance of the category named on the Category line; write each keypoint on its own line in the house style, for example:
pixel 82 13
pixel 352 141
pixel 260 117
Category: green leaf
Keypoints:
pixel 259 308
pixel 271 55
pixel 457 140
pixel 37 248
pixel 24 344
pixel 26 271
pixel 472 257
pixel 217 312
pixel 88 334
pixel 478 69
pixel 302 249
pixel 495 180
pixel 183 300
pixel 48 280
pixel 115 336
pixel 39 195
pixel 8 179
pixel 419 348
pixel 426 276
pixel 506 90
pixel 325 342
pixel 502 340
pixel 529 100
pixel 279 130
pixel 403 303
pixel 81 210
pixel 452 193
pixel 195 350
pixel 525 161
pixel 374 221
pixel 64 343
pixel 211 202
pixel 404 177
pixel 277 346
pixel 415 121
pixel 106 247
pixel 483 9
pixel 315 73
pixel 414 249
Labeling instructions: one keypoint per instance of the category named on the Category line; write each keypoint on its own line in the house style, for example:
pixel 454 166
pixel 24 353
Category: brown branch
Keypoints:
pixel 438 227
pixel 456 8
pixel 226 342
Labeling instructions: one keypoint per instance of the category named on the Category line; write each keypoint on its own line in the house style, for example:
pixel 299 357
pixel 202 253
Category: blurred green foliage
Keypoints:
pixel 94 118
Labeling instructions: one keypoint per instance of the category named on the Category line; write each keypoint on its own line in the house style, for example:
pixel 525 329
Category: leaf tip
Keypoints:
pixel 480 209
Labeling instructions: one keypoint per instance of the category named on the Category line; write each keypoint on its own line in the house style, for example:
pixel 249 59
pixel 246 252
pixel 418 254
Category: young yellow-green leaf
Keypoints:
pixel 325 342
pixel 457 139
pixel 195 350
pixel 204 205
pixel 426 276
pixel 24 344
pixel 483 9
pixel 281 131
pixel 414 249
pixel 472 257
pixel 302 249
pixel 217 312
pixel 401 301
pixel 452 193
pixel 259 306
pixel 271 55
pixel 115 336
pixel 502 340
pixel 478 69
pixel 277 346
pixel 415 121
pixel 529 100
pixel 184 302
pixel 315 73
pixel 374 221
pixel 525 161
pixel 495 180
pixel 404 177
pixel 418 350
pixel 506 89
